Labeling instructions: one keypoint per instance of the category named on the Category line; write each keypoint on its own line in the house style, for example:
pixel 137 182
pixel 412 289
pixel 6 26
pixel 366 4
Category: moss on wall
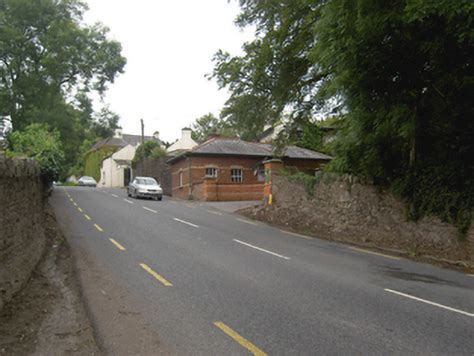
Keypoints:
pixel 93 160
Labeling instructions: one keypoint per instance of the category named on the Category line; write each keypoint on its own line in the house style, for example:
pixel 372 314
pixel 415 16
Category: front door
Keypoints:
pixel 126 177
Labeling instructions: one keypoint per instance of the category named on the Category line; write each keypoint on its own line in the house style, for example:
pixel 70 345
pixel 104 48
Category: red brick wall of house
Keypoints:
pixel 222 187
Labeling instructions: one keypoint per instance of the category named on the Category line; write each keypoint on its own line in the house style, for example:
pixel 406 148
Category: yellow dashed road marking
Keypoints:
pixel 374 253
pixel 240 339
pixel 79 209
pixel 156 275
pixel 119 246
pixel 87 217
pixel 98 228
pixel 75 204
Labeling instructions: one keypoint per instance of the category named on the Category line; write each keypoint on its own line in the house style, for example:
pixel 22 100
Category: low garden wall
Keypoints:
pixel 22 238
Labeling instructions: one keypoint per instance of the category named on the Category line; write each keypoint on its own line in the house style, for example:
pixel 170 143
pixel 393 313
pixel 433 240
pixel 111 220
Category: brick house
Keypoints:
pixel 232 169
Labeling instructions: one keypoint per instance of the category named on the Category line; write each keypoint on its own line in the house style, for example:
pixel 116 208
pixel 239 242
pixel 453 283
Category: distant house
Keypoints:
pixel 185 143
pixel 110 161
pixel 232 169
pixel 270 133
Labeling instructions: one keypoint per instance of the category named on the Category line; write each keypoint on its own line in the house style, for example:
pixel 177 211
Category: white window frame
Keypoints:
pixel 236 175
pixel 213 173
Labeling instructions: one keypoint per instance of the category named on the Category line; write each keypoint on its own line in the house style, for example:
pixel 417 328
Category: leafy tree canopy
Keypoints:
pixel 149 149
pixel 209 124
pixel 50 61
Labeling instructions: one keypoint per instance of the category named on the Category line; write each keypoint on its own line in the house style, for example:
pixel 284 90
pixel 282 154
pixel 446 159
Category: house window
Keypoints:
pixel 236 175
pixel 211 172
pixel 261 174
pixel 180 179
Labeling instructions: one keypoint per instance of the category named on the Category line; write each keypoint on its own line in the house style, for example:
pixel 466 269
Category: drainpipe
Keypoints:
pixel 190 179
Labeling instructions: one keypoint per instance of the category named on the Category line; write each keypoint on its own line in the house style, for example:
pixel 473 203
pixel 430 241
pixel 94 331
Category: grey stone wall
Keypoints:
pixel 345 209
pixel 22 238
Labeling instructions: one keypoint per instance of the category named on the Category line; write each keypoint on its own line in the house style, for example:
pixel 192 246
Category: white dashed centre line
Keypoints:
pixel 151 210
pixel 185 222
pixel 261 249
pixel 128 201
pixel 430 303
pixel 115 195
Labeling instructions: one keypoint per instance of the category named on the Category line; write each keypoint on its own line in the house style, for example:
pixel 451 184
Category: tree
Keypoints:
pixel 149 149
pixel 43 145
pixel 49 62
pixel 209 124
pixel 105 123
pixel 404 70
pixel 276 74
pixel 400 71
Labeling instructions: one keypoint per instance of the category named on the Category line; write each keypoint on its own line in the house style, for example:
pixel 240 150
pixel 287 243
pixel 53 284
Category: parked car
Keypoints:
pixel 87 181
pixel 145 187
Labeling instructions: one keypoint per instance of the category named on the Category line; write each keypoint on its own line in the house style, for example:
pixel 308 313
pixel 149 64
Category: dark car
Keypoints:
pixel 86 181
pixel 145 187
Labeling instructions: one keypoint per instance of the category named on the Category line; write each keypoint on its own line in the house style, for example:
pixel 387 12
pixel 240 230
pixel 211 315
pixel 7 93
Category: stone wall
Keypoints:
pixel 344 209
pixel 22 237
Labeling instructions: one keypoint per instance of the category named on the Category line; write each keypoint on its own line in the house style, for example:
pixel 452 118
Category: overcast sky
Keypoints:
pixel 169 45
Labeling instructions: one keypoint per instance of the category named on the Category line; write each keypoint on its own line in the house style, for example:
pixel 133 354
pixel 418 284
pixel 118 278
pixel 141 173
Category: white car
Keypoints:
pixel 87 181
pixel 145 187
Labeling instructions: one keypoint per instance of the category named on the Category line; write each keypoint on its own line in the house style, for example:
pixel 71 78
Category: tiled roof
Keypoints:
pixel 236 147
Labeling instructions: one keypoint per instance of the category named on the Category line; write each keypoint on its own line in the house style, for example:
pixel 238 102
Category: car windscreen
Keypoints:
pixel 147 181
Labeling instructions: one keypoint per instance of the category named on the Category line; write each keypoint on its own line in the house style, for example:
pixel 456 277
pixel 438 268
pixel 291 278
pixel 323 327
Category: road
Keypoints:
pixel 212 282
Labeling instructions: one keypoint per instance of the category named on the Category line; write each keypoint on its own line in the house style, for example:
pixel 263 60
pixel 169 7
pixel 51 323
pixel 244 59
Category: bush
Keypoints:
pixel 37 141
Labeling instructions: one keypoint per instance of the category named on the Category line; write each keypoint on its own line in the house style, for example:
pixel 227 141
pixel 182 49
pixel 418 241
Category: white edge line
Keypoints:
pixel 428 302
pixel 115 195
pixel 298 235
pixel 247 222
pixel 153 211
pixel 128 201
pixel 185 222
pixel 261 249
pixel 373 253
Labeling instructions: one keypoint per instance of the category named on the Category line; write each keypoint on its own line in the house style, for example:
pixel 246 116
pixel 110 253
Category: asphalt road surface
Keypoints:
pixel 212 282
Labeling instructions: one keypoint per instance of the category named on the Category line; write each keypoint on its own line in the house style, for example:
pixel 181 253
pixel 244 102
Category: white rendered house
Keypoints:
pixel 185 143
pixel 116 170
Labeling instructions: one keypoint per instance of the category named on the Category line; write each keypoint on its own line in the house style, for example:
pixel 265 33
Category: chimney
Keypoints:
pixel 156 135
pixel 186 133
pixel 118 133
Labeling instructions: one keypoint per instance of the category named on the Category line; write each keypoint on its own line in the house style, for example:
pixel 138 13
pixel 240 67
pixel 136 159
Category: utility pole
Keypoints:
pixel 143 148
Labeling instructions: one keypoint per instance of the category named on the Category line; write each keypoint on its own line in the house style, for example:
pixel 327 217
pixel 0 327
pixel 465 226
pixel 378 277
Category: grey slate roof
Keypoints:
pixel 236 147
pixel 121 142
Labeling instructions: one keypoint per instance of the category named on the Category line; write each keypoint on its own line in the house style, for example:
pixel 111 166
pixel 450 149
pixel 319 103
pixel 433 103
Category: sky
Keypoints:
pixel 169 46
